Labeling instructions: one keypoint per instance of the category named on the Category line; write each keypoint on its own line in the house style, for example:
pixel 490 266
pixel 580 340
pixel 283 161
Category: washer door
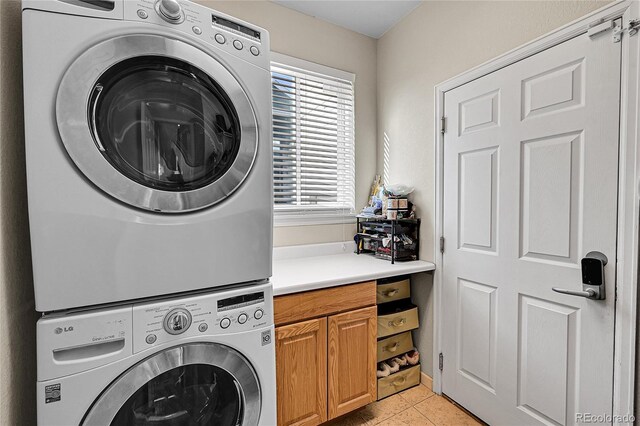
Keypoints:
pixel 156 123
pixel 191 385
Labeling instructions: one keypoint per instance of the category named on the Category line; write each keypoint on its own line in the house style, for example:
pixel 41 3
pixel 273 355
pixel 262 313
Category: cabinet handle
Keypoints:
pixel 393 348
pixel 391 292
pixel 400 381
pixel 397 322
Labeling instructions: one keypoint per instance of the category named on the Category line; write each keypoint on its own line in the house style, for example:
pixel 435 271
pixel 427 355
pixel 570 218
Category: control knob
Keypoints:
pixel 177 321
pixel 170 11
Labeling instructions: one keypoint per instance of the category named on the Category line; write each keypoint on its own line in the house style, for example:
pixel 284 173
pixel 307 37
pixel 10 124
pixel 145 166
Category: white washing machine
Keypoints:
pixel 205 359
pixel 148 149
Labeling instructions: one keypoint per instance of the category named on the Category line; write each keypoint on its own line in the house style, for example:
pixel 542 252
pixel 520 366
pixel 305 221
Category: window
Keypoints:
pixel 313 142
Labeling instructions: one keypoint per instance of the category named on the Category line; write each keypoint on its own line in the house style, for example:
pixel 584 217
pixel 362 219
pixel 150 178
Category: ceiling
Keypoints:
pixel 371 18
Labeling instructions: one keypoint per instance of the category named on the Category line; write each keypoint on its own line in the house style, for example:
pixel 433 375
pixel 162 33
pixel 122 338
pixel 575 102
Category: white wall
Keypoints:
pixel 435 42
pixel 305 37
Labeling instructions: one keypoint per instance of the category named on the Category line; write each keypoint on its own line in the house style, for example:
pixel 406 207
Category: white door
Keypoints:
pixel 530 187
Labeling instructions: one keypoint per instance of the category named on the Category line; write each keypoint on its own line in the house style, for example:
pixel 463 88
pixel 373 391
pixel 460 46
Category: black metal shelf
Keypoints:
pixel 393 225
pixel 384 219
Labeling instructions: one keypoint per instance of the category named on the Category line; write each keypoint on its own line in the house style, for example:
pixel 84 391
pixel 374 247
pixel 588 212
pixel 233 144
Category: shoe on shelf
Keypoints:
pixel 412 357
pixel 395 367
pixel 401 361
pixel 383 370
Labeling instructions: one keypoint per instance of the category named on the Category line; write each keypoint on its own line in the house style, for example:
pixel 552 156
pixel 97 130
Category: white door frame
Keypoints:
pixel 629 184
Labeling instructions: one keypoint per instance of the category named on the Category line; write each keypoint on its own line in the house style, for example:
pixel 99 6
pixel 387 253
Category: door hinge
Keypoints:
pixel 441 361
pixel 441 244
pixel 618 30
pixel 443 125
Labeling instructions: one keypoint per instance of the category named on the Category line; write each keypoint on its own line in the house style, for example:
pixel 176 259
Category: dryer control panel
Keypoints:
pixel 232 35
pixel 225 32
pixel 231 311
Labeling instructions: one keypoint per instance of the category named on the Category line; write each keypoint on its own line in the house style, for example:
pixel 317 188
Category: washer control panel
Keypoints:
pixel 202 314
pixel 217 29
pixel 239 310
pixel 75 341
pixel 72 342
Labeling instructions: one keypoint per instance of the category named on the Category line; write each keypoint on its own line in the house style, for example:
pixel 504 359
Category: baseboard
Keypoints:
pixel 426 380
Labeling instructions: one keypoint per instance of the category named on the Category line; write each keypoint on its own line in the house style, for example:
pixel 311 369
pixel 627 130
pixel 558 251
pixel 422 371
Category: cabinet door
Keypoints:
pixel 352 360
pixel 301 372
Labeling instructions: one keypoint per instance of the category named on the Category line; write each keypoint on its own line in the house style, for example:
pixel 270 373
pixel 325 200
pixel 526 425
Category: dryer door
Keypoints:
pixel 196 384
pixel 156 123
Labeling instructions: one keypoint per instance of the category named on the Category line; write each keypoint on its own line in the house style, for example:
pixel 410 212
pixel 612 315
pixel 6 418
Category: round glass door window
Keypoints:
pixel 190 395
pixel 164 123
pixel 194 384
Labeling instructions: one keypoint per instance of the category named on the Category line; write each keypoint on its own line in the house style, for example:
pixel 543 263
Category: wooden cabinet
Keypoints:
pixel 352 360
pixel 325 366
pixel 301 373
pixel 319 303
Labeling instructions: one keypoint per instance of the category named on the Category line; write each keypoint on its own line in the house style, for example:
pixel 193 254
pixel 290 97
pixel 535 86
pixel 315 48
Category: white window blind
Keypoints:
pixel 313 139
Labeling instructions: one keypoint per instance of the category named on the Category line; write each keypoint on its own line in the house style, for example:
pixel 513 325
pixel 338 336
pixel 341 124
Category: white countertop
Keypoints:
pixel 297 269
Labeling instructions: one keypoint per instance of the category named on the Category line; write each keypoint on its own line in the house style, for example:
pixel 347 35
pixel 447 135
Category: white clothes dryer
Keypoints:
pixel 200 360
pixel 148 149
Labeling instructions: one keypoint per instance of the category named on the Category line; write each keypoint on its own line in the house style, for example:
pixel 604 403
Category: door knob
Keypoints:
pixel 592 277
pixel 589 293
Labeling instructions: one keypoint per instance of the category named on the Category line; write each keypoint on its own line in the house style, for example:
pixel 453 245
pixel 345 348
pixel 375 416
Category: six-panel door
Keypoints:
pixel 530 187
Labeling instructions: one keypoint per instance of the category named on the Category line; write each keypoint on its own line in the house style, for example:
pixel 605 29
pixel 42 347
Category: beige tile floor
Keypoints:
pixel 417 406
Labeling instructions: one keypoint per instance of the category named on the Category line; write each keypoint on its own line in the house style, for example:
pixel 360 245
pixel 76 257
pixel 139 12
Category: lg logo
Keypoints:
pixel 60 330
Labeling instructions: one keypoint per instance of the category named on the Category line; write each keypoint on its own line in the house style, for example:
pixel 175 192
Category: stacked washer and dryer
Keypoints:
pixel 148 147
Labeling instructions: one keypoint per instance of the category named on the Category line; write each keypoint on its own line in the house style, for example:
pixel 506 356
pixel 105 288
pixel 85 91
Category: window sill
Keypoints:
pixel 308 219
